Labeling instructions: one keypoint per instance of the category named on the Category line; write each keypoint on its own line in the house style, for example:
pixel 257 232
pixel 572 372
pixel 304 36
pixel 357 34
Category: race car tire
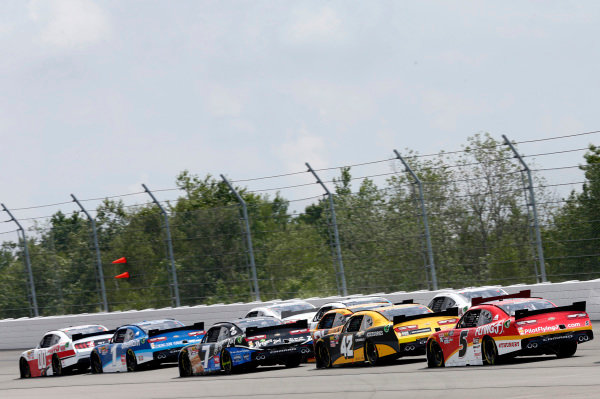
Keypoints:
pixel 185 366
pixel 435 355
pixel 24 369
pixel 226 362
pixel 131 361
pixel 293 361
pixel 95 363
pixel 323 357
pixel 371 354
pixel 566 349
pixel 490 351
pixel 56 365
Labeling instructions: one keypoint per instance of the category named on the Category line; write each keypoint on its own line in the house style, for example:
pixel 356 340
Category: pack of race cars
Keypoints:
pixel 467 327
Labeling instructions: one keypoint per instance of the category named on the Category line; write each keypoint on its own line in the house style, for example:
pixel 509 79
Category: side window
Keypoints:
pixel 213 335
pixel 469 319
pixel 46 341
pixel 129 335
pixel 448 303
pixel 339 319
pixel 484 318
pixel 366 323
pixel 327 321
pixel 436 304
pixel 353 324
pixel 55 340
pixel 252 314
pixel 119 337
pixel 321 312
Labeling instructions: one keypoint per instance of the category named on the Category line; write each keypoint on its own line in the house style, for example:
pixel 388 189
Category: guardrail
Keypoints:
pixel 26 332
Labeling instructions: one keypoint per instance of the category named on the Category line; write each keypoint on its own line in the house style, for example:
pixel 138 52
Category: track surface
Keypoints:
pixel 533 377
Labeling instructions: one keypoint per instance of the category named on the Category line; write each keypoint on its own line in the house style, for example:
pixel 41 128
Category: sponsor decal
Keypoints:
pixel 386 328
pixel 239 339
pixel 573 325
pixel 143 341
pixel 374 333
pixel 587 322
pixel 140 357
pixel 495 328
pixel 232 330
pixel 451 333
pixel 247 356
pixel 514 344
pixel 237 358
pixel 420 331
pixel 546 339
pixel 540 329
pixel 496 317
pixel 67 344
pixel 507 323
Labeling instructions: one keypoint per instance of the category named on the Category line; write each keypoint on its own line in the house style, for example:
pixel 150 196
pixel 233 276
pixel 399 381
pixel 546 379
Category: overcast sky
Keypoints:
pixel 100 96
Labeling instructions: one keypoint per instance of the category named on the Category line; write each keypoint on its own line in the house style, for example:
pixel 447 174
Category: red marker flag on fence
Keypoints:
pixel 123 275
pixel 120 260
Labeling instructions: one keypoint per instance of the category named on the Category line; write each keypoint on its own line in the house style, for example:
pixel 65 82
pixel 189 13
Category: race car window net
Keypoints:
pixel 487 293
pixel 470 319
pixel 405 311
pixel 327 321
pixel 354 323
pixel 120 336
pixel 163 325
pixel 536 304
pixel 84 330
pixel 213 335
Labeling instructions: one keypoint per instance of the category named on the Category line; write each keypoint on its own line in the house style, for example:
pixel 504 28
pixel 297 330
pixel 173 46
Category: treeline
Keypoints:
pixel 480 234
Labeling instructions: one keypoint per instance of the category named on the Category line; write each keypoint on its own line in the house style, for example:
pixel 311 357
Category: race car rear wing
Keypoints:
pixel 195 326
pixel 77 337
pixel 575 307
pixel 448 312
pixel 405 302
pixel 520 294
pixel 288 313
pixel 298 325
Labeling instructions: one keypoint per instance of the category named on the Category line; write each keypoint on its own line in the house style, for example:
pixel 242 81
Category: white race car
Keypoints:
pixel 63 350
pixel 288 311
pixel 345 303
pixel 462 298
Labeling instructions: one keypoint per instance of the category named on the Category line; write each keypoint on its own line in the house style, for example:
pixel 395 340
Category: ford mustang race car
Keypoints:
pixel 244 344
pixel 382 334
pixel 62 351
pixel 144 344
pixel 461 299
pixel 510 325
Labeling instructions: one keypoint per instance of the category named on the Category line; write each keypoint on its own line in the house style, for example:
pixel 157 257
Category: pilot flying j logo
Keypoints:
pixel 495 328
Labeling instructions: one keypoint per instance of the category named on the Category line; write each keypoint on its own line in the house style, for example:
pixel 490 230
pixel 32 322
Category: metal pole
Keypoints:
pixel 425 221
pixel 27 262
pixel 538 235
pixel 342 276
pixel 98 259
pixel 248 237
pixel 169 245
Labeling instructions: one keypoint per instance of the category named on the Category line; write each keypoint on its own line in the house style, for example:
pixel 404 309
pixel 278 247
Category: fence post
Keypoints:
pixel 425 221
pixel 98 259
pixel 248 237
pixel 169 245
pixel 532 204
pixel 340 275
pixel 32 296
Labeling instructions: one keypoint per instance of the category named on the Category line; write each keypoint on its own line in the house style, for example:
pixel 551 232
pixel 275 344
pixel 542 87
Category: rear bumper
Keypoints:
pixel 281 354
pixel 548 344
pixel 413 348
pixel 167 355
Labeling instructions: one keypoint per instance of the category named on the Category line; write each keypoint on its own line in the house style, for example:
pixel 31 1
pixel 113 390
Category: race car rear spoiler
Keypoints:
pixel 298 325
pixel 448 312
pixel 77 337
pixel 405 302
pixel 288 313
pixel 520 294
pixel 195 326
pixel 575 307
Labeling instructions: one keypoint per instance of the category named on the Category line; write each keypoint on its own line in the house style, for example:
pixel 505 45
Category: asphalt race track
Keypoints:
pixel 533 377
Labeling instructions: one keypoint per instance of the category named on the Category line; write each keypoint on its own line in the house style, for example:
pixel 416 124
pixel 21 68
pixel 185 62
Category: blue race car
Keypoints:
pixel 148 343
pixel 243 344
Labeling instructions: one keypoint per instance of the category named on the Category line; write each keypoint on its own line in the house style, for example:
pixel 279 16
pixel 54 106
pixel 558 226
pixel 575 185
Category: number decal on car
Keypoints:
pixel 463 343
pixel 346 347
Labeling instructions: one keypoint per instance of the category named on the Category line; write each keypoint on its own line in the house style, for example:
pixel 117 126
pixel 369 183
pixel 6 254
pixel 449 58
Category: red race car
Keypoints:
pixel 510 325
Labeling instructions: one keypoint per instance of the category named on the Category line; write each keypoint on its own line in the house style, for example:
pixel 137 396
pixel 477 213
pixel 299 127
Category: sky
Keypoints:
pixel 101 96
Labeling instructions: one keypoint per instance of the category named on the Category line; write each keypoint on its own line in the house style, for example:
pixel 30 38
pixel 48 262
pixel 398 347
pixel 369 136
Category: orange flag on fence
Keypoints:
pixel 120 260
pixel 123 275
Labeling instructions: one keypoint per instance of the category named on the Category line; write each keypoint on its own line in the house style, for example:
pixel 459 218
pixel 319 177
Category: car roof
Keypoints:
pixel 511 300
pixel 66 329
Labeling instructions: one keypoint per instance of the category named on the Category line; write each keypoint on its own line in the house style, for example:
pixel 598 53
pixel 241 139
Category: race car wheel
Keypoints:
pixel 322 356
pixel 566 349
pixel 226 362
pixel 490 351
pixel 293 361
pixel 24 368
pixel 95 363
pixel 56 365
pixel 371 353
pixel 435 355
pixel 185 366
pixel 131 361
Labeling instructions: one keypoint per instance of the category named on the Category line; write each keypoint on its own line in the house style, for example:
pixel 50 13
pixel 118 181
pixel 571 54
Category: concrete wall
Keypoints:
pixel 26 332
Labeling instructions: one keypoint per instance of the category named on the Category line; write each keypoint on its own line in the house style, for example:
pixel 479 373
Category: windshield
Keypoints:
pixel 537 304
pixel 359 301
pixel 291 307
pixel 84 330
pixel 256 322
pixel 405 311
pixel 485 293
pixel 159 325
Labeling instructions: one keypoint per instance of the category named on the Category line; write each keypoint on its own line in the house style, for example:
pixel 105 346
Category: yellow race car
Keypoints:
pixel 383 333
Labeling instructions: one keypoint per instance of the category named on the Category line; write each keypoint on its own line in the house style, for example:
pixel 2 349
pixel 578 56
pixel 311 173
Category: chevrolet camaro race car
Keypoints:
pixel 146 343
pixel 382 334
pixel 62 351
pixel 243 344
pixel 507 326
pixel 333 321
pixel 289 311
pixel 461 299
